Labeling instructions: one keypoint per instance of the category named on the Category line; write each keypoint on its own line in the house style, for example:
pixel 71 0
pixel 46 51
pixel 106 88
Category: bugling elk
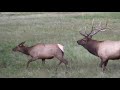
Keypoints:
pixel 43 52
pixel 105 50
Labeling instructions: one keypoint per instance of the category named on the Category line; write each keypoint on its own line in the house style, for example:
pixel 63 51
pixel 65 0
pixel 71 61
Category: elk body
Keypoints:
pixel 43 52
pixel 105 50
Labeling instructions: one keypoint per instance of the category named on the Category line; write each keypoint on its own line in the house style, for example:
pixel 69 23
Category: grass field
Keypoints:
pixel 54 27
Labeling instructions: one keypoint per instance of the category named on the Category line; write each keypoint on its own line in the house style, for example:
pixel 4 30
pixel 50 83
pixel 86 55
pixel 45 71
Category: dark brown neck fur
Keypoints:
pixel 92 46
pixel 25 50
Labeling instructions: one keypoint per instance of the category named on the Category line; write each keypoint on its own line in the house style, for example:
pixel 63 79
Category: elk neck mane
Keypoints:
pixel 92 46
pixel 26 49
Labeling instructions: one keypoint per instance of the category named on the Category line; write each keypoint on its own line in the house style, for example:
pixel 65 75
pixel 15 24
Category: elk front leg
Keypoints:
pixel 33 59
pixel 43 61
pixel 104 65
pixel 101 63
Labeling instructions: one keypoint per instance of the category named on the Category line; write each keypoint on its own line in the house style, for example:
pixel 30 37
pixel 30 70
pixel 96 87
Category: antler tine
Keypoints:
pixel 100 23
pixel 85 28
pixel 85 34
pixel 82 34
pixel 92 28
pixel 22 43
pixel 100 29
pixel 99 26
pixel 103 29
pixel 95 32
pixel 106 24
pixel 92 23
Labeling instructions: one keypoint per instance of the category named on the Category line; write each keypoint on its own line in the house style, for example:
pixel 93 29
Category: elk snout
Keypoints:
pixel 78 42
pixel 14 49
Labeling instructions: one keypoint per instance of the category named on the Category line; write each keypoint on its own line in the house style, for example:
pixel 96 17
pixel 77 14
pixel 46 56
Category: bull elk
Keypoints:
pixel 105 50
pixel 42 51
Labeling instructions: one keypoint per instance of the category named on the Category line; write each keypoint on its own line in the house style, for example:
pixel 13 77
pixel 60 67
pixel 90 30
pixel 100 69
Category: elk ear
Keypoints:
pixel 22 43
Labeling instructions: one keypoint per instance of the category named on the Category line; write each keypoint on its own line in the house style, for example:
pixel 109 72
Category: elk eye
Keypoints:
pixel 84 40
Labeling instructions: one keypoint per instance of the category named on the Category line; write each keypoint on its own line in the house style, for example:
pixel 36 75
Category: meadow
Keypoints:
pixel 55 27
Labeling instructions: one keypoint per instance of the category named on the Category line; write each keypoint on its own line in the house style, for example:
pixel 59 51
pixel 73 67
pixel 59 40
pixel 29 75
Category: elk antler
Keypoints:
pixel 83 34
pixel 98 29
pixel 92 27
pixel 22 43
pixel 88 34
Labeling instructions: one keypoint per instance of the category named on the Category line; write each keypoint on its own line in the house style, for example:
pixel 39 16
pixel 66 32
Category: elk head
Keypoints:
pixel 19 47
pixel 88 36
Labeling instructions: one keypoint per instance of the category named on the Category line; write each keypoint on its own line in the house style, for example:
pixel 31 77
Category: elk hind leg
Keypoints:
pixel 62 60
pixel 58 65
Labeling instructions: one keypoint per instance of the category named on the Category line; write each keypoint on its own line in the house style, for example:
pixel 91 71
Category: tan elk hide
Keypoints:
pixel 43 52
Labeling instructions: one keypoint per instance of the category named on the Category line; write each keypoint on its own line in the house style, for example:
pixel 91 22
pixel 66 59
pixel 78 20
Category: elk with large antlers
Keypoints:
pixel 105 50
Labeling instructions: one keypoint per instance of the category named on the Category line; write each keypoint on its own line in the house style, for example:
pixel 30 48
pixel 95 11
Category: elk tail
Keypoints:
pixel 61 48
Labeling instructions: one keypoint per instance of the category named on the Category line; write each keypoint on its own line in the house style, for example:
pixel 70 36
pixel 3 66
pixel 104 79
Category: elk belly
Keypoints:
pixel 61 47
pixel 114 56
pixel 109 53
pixel 46 55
